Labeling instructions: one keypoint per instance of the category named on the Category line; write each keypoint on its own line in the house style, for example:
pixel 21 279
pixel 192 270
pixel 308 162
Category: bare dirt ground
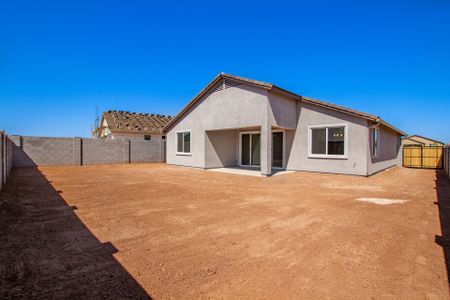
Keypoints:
pixel 157 231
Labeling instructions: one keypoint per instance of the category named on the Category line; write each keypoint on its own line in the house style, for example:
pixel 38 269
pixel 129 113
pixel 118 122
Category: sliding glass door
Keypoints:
pixel 250 149
pixel 277 149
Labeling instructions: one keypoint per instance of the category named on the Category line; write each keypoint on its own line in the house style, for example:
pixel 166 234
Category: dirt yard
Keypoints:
pixel 157 231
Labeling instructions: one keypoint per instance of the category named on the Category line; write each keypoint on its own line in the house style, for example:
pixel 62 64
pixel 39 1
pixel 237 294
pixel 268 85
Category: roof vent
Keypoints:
pixel 218 87
pixel 225 84
pixel 231 83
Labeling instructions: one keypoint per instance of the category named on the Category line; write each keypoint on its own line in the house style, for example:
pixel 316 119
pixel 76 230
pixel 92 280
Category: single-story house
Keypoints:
pixel 239 122
pixel 417 140
pixel 124 124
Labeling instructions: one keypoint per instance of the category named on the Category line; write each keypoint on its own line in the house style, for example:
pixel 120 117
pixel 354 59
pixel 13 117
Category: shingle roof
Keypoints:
pixel 272 87
pixel 131 122
pixel 338 107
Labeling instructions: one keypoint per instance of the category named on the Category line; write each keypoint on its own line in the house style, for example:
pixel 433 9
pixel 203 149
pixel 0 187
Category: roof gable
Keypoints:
pixel 219 83
pixel 223 84
pixel 223 81
pixel 413 140
pixel 417 138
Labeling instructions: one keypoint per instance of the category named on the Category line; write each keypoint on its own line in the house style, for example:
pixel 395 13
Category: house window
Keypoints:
pixel 375 141
pixel 147 137
pixel 184 142
pixel 163 137
pixel 328 141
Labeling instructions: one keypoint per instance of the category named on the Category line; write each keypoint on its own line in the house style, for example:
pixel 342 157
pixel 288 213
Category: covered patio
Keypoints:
pixel 252 150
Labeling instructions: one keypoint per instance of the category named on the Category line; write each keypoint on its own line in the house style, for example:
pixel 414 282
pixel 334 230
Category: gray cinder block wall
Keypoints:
pixel 105 151
pixel 2 160
pixel 32 151
pixel 6 154
pixel 143 151
pixel 48 151
pixel 446 151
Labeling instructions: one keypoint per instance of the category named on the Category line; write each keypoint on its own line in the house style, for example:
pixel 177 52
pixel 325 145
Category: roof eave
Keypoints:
pixel 427 139
pixel 191 103
pixel 353 113
pixel 391 127
pixel 284 92
pixel 372 118
pixel 271 87
pixel 128 131
pixel 419 142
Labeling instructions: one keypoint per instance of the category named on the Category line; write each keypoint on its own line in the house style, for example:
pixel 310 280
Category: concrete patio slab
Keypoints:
pixel 248 171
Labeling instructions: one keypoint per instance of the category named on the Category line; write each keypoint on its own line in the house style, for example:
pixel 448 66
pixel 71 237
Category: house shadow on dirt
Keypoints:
pixel 47 252
pixel 443 202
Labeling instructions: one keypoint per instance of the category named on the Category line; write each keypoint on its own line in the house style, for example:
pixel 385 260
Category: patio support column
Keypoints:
pixel 266 149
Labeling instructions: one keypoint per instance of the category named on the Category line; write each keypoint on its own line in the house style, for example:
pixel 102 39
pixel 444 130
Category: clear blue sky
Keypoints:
pixel 60 59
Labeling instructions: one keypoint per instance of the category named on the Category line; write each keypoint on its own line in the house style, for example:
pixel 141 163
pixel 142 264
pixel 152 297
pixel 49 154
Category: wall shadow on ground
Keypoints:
pixel 47 252
pixel 20 158
pixel 443 202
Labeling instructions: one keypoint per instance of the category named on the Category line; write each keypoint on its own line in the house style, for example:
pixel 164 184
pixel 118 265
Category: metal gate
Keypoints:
pixel 425 157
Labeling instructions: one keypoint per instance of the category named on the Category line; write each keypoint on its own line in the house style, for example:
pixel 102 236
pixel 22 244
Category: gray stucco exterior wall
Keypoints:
pixel 216 121
pixel 233 108
pixel 283 111
pixel 218 152
pixel 389 151
pixel 356 159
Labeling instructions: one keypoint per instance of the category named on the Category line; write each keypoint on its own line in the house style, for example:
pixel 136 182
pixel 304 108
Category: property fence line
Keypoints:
pixel 6 155
pixel 447 160
pixel 424 157
pixel 32 151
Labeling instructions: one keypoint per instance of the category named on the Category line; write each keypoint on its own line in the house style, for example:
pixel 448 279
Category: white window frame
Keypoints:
pixel 283 163
pixel 240 148
pixel 258 166
pixel 372 144
pixel 330 156
pixel 190 142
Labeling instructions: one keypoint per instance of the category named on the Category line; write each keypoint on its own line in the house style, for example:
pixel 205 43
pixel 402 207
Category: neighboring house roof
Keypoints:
pixel 274 88
pixel 413 140
pixel 134 123
pixel 414 136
